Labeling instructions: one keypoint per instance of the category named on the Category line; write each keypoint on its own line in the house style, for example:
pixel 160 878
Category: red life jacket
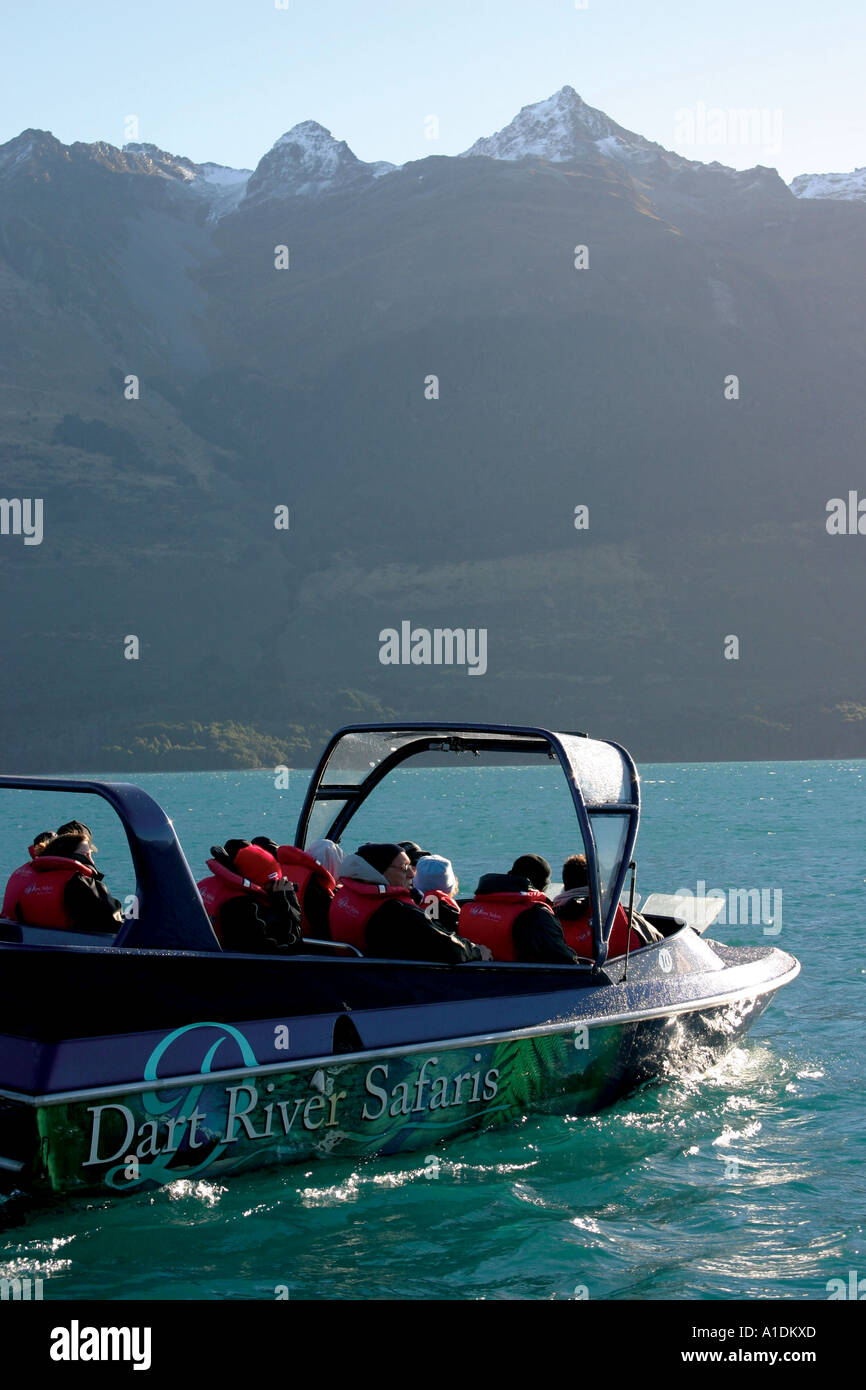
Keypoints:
pixel 579 937
pixel 221 888
pixel 34 893
pixel 354 903
pixel 303 868
pixel 489 919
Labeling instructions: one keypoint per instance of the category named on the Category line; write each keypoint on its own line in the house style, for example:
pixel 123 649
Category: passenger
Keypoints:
pixel 39 843
pixel 435 881
pixel 313 883
pixel 511 914
pixel 61 887
pixel 251 904
pixel 573 902
pixel 374 911
pixel 573 908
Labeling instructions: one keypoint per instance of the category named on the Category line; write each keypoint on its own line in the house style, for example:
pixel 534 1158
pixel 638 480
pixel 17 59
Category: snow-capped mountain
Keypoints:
pixel 847 187
pixel 308 160
pixel 565 129
pixel 561 128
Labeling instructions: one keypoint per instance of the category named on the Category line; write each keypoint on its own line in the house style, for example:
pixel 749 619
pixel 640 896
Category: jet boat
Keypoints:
pixel 153 1056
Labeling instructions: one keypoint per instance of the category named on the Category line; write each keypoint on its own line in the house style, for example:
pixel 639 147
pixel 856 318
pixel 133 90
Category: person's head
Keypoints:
pixel 391 861
pixel 68 847
pixel 574 873
pixel 40 841
pixel 265 842
pixel 434 874
pixel 414 852
pixel 533 867
pixel 77 827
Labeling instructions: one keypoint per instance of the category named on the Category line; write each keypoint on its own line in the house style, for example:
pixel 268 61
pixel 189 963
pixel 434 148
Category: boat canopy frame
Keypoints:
pixel 170 911
pixel 588 765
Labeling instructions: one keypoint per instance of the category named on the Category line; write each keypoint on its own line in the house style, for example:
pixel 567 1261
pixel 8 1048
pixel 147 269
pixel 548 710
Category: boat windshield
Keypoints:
pixel 358 755
pixel 481 813
pixel 609 833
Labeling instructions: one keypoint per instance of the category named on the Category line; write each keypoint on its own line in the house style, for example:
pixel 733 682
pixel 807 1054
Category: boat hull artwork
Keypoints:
pixel 354 1106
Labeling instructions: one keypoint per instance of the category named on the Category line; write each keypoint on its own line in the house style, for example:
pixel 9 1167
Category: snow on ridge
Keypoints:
pixel 164 164
pixel 842 187
pixel 220 185
pixel 611 145
pixel 222 174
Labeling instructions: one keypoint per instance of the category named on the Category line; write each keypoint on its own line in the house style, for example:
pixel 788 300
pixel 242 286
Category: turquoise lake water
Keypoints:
pixel 750 1182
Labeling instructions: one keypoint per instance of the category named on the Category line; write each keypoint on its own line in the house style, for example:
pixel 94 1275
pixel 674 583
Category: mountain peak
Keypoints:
pixel 28 146
pixel 309 131
pixel 562 127
pixel 308 160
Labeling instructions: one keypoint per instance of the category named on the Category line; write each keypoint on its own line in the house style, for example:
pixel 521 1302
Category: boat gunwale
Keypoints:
pixel 469 1040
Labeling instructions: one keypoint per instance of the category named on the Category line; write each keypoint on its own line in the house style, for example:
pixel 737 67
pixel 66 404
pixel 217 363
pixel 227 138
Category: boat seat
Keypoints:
pixel 19 933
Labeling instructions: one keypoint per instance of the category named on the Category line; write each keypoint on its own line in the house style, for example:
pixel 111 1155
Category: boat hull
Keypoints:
pixel 353 1106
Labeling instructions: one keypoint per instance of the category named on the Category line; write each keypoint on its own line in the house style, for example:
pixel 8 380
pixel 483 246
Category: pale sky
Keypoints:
pixel 222 79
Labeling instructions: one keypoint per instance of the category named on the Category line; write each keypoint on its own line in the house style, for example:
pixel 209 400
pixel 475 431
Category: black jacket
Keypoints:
pixel 317 901
pixel 262 926
pixel 89 903
pixel 537 934
pixel 402 932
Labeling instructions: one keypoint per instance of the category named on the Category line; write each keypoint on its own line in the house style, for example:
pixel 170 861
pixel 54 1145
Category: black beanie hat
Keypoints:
pixel 415 852
pixel 264 842
pixel 379 856
pixel 533 867
pixel 75 827
pixel 234 847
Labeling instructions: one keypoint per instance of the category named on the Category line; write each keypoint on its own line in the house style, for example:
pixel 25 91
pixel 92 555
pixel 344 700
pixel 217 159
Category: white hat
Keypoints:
pixel 328 854
pixel 434 874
